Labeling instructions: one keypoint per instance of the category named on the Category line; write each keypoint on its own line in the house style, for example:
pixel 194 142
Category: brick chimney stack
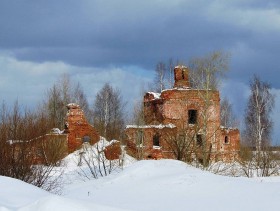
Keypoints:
pixel 181 77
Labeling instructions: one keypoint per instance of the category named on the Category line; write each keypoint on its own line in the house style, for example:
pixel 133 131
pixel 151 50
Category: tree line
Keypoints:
pixel 20 127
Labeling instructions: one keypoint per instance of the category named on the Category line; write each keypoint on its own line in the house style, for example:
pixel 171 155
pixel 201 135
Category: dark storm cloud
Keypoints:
pixel 118 32
pixel 140 33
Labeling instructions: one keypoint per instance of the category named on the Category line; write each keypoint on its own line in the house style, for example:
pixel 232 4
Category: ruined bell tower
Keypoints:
pixel 181 77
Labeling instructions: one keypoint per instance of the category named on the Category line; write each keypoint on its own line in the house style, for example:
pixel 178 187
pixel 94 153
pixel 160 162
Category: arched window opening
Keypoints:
pixel 226 140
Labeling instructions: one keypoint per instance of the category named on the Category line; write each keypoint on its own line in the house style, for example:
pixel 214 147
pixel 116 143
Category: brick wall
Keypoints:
pixel 78 129
pixel 178 106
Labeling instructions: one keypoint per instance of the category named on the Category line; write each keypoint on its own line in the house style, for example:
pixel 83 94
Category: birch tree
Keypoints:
pixel 108 112
pixel 160 77
pixel 228 118
pixel 258 121
pixel 258 128
pixel 170 75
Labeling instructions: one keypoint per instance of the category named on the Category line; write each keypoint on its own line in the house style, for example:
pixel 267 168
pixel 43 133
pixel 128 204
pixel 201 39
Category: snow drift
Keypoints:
pixel 148 185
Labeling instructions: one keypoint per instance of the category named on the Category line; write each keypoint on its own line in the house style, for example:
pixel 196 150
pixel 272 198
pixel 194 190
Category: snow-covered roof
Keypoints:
pixel 73 105
pixel 56 131
pixel 113 141
pixel 179 88
pixel 180 66
pixel 228 128
pixel 156 95
pixel 160 126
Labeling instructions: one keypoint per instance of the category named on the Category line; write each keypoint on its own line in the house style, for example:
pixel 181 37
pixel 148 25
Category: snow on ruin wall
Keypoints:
pixel 174 106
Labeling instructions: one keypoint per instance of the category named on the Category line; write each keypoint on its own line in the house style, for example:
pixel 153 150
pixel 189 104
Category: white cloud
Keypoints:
pixel 28 81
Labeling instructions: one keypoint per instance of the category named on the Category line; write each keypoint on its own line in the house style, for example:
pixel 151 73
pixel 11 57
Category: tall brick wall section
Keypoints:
pixel 153 109
pixel 78 128
pixel 173 106
pixel 181 76
pixel 229 144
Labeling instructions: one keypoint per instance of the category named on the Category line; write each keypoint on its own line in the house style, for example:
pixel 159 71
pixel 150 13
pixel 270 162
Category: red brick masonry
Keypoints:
pixel 180 110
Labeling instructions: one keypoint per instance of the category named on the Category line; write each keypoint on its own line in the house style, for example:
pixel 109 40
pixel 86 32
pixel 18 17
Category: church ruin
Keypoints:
pixel 183 123
pixel 55 145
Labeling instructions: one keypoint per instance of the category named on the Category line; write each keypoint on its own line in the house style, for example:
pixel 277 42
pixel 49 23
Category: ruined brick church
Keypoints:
pixel 76 133
pixel 182 120
pixel 180 123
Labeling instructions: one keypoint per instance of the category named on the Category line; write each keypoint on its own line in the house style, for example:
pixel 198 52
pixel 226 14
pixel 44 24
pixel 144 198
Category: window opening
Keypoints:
pixel 199 140
pixel 226 140
pixel 156 140
pixel 86 139
pixel 192 116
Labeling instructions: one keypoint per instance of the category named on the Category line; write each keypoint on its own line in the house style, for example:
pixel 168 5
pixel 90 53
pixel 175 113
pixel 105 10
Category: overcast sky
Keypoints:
pixel 120 41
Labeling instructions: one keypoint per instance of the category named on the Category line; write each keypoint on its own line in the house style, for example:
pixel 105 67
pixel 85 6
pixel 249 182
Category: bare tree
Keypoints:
pixel 93 162
pixel 207 72
pixel 260 164
pixel 109 112
pixel 258 122
pixel 80 98
pixel 56 100
pixel 66 89
pixel 52 150
pixel 170 71
pixel 182 144
pixel 53 106
pixel 164 75
pixel 160 77
pixel 18 149
pixel 258 127
pixel 63 92
pixel 228 119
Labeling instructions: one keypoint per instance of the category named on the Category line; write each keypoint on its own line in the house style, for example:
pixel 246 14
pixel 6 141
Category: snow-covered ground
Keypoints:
pixel 147 185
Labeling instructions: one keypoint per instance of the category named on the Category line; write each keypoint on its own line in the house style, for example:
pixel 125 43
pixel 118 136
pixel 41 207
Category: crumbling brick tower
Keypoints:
pixel 187 112
pixel 78 129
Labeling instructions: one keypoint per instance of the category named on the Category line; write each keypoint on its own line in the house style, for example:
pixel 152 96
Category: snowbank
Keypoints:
pixel 173 185
pixel 18 195
pixel 148 185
